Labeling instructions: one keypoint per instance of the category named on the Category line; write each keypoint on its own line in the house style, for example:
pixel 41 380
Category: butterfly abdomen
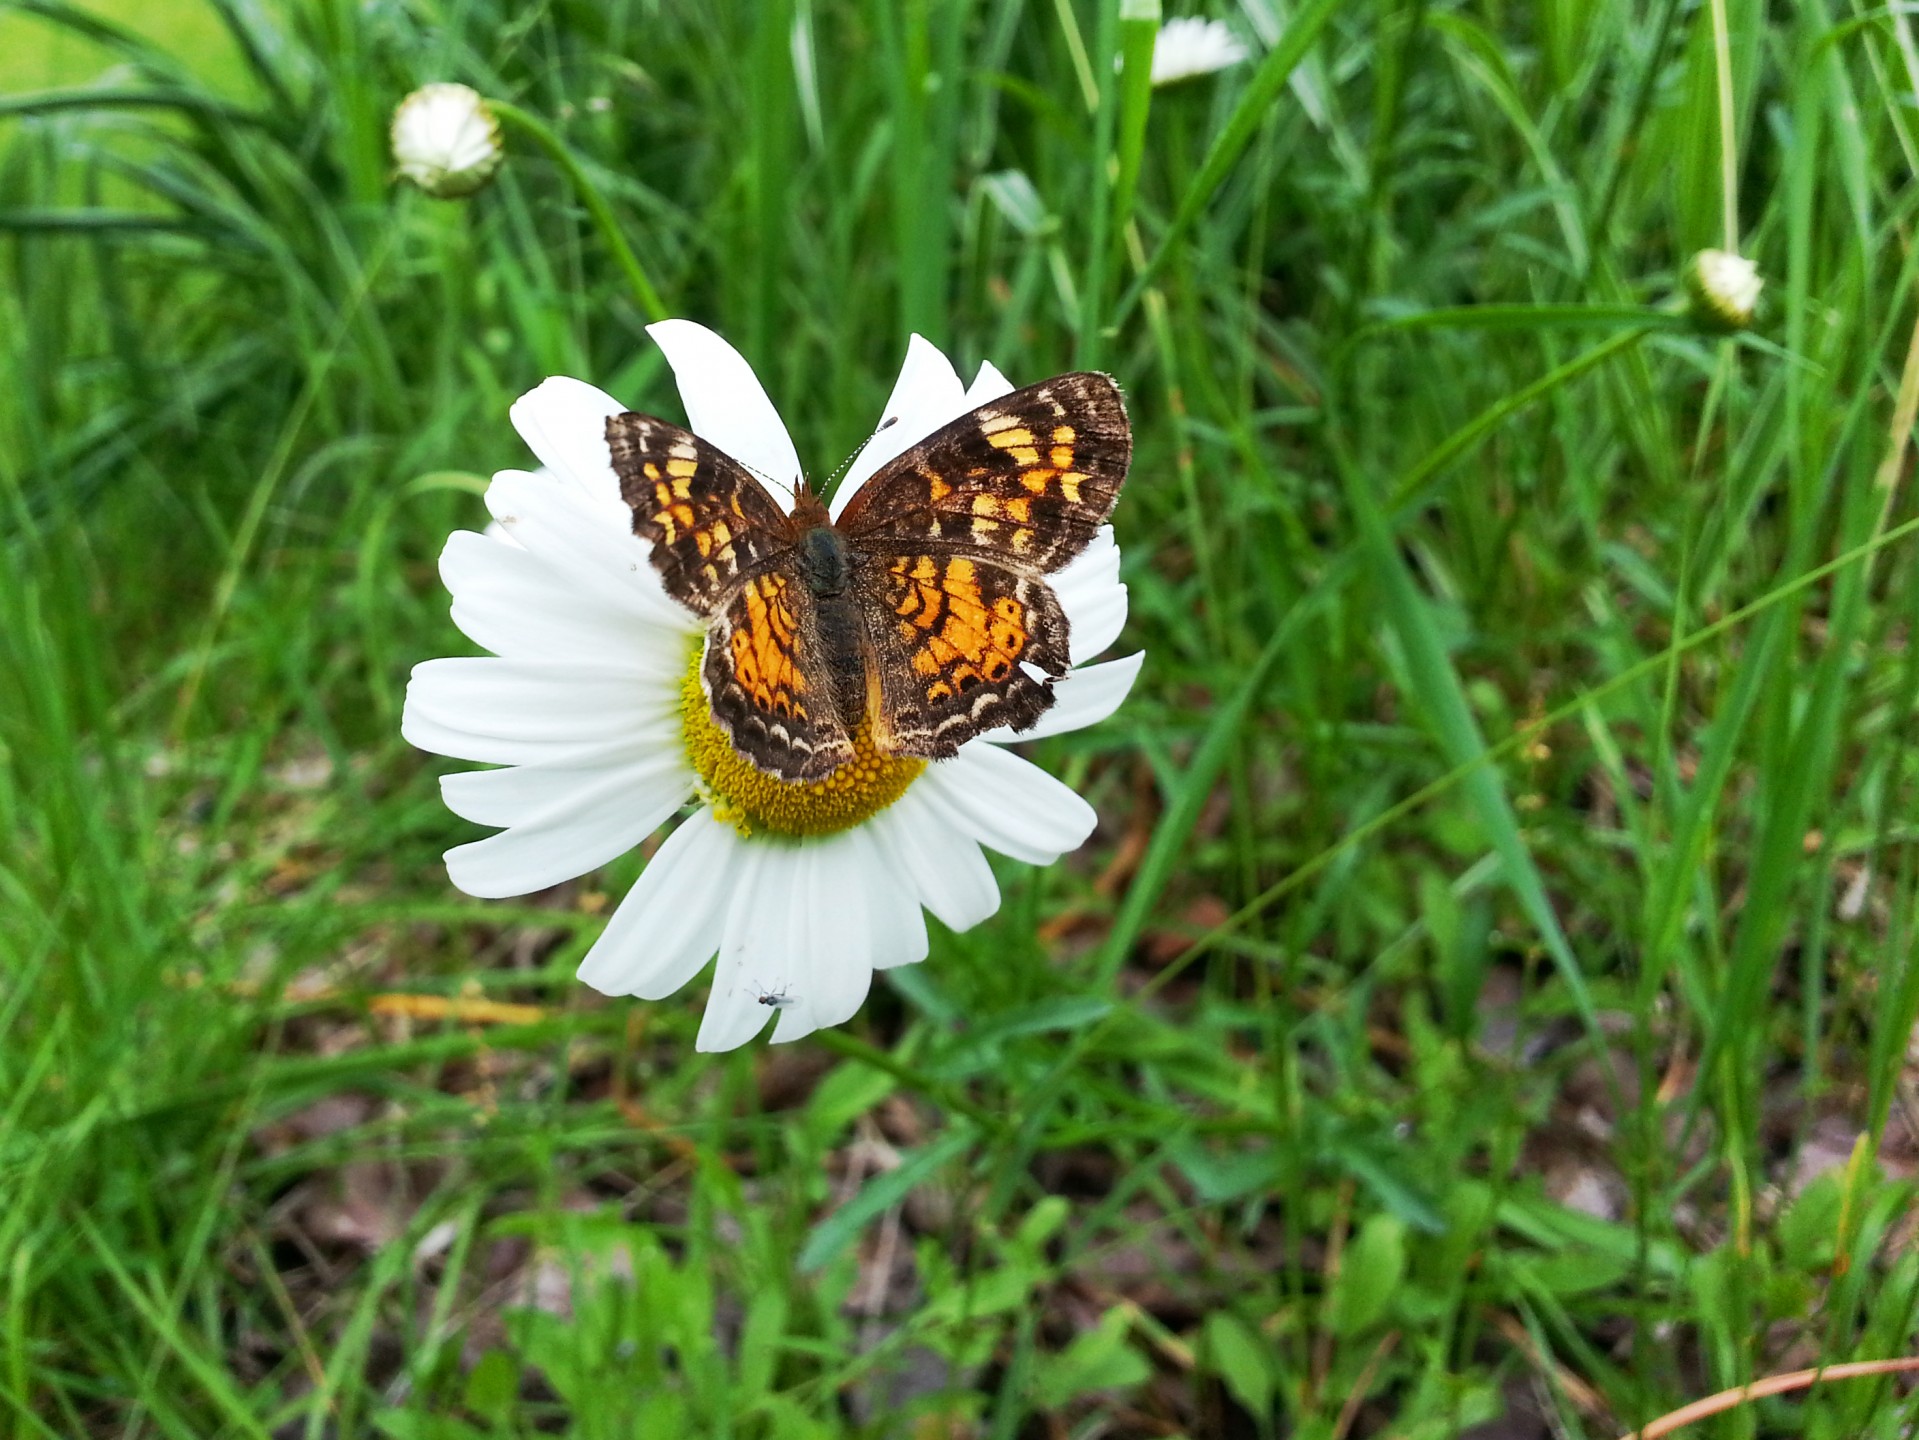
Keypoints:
pixel 826 564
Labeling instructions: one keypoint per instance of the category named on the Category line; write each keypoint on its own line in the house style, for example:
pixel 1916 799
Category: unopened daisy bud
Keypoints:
pixel 446 140
pixel 1193 46
pixel 1724 288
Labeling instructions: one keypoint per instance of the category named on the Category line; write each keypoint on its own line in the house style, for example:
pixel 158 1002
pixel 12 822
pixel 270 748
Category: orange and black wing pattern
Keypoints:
pixel 1027 479
pixel 709 521
pixel 766 679
pixel 959 534
pixel 723 550
pixel 952 637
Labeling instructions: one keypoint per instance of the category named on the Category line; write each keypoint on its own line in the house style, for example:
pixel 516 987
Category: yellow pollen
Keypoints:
pixel 754 802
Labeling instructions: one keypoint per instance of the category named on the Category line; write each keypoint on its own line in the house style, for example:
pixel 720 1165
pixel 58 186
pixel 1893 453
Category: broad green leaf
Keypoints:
pixel 1221 1175
pixel 1099 1359
pixel 1370 1270
pixel 1243 1359
pixel 492 1385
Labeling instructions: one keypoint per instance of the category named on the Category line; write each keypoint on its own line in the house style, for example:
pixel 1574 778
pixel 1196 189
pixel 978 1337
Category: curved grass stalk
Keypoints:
pixel 1759 1389
pixel 543 135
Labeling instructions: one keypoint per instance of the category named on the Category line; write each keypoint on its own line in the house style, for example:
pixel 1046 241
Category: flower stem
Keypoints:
pixel 1728 148
pixel 543 135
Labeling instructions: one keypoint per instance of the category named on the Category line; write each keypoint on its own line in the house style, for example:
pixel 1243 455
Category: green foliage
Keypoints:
pixel 1492 984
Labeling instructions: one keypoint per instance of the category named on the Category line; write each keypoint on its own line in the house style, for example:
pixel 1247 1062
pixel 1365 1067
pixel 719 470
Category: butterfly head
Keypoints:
pixel 809 510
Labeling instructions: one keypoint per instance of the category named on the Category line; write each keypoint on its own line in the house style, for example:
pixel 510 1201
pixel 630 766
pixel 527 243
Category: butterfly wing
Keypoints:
pixel 768 682
pixel 725 551
pixel 952 637
pixel 709 521
pixel 959 534
pixel 1026 480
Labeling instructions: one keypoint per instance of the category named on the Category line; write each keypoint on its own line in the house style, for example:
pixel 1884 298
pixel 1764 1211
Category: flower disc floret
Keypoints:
pixel 756 803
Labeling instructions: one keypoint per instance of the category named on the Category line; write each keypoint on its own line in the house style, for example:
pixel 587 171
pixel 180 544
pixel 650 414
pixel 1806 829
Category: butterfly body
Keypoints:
pixel 917 619
pixel 831 571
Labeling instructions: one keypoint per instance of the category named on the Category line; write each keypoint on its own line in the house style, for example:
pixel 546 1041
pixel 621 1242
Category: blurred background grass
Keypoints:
pixel 1350 1082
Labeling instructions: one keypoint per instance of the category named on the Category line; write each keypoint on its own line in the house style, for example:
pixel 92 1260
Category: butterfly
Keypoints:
pixel 919 619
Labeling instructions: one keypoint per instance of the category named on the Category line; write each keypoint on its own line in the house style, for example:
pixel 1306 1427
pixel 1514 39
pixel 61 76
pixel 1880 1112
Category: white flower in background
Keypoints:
pixel 446 140
pixel 1724 288
pixel 1194 46
pixel 592 703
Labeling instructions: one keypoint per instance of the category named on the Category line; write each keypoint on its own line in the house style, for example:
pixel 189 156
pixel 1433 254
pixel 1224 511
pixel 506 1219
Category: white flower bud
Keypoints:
pixel 446 140
pixel 1724 288
pixel 1193 46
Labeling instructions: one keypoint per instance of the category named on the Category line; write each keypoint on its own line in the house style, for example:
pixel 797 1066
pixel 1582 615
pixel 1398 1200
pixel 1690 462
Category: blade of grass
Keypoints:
pixel 1437 691
pixel 1261 93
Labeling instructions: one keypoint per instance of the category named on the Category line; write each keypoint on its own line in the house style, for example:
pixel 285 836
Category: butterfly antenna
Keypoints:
pixel 762 474
pixel 887 424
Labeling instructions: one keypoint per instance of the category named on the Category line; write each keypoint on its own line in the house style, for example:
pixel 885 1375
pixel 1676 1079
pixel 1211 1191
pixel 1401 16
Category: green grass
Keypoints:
pixel 1490 988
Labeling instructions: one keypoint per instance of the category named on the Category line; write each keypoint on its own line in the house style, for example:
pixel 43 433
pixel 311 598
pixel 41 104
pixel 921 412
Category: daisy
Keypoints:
pixel 591 704
pixel 1724 288
pixel 446 140
pixel 1191 46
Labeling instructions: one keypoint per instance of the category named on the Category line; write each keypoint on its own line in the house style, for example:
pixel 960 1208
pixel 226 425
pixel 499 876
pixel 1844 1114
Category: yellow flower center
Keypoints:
pixel 752 801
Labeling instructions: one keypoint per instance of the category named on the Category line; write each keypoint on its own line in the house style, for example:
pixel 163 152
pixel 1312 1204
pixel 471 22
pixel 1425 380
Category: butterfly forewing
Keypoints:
pixel 1027 479
pixel 709 520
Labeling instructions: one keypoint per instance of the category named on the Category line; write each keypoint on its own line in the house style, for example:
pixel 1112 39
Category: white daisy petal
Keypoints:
pixel 523 794
pixel 796 975
pixel 509 601
pixel 727 406
pixel 1093 598
pixel 1081 697
pixel 896 932
pixel 796 1022
pixel 669 924
pixel 563 421
pixel 756 921
pixel 899 923
pixel 1193 45
pixel 946 867
pixel 595 552
pixel 576 832
pixel 836 965
pixel 815 971
pixel 1009 804
pixel 518 712
pixel 989 384
pixel 927 395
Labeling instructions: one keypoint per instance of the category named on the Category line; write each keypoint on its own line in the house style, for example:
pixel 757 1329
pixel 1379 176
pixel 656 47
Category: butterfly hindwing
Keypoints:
pixel 709 521
pixel 1027 479
pixel 955 641
pixel 768 682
